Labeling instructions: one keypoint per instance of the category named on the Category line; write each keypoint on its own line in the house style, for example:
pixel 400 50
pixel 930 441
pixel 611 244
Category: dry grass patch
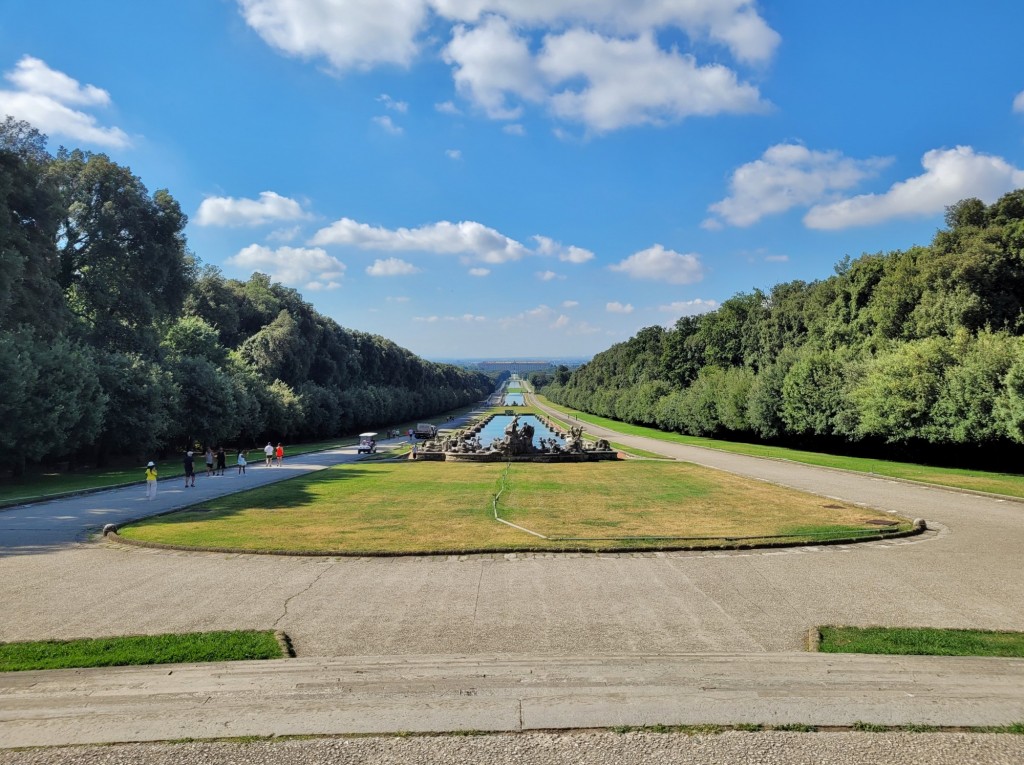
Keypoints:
pixel 425 507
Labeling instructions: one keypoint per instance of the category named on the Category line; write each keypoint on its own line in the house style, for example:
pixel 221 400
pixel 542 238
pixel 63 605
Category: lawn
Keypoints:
pixel 1009 484
pixel 139 649
pixel 921 641
pixel 429 507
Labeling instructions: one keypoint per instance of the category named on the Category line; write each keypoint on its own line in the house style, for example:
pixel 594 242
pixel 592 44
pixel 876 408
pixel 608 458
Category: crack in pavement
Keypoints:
pixel 306 589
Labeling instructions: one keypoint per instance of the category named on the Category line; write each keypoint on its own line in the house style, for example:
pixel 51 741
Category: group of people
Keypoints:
pixel 216 464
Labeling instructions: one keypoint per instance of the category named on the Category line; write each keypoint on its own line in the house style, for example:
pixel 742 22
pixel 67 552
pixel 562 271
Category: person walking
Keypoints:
pixel 269 451
pixel 414 449
pixel 190 470
pixel 279 454
pixel 209 460
pixel 221 460
pixel 241 462
pixel 150 480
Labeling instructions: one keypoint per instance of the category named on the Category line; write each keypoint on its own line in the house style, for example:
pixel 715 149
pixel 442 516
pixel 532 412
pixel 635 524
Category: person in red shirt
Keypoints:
pixel 279 454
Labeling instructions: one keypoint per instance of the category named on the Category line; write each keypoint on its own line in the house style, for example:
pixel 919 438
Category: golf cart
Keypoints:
pixel 367 443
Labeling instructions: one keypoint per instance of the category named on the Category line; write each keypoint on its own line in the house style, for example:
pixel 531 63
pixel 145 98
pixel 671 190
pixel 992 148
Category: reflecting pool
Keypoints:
pixel 496 429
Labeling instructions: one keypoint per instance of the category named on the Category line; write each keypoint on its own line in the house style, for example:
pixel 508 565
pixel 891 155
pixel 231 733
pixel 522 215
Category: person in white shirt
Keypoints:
pixel 269 451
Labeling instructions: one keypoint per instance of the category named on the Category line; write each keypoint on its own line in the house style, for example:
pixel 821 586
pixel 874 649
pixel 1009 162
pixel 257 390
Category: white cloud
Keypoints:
pixel 448 107
pixel 514 129
pixel 776 258
pixel 466 318
pixel 787 176
pixel 284 234
pixel 659 264
pixel 561 322
pixel 689 307
pixel 311 269
pixel 445 238
pixel 228 211
pixel 467 238
pixel 385 123
pixel 570 303
pixel 490 63
pixel 608 45
pixel 617 307
pixel 44 97
pixel 348 33
pixel 547 276
pixel 634 82
pixel 389 103
pixel 392 267
pixel 950 175
pixel 453 154
pixel 734 23
pixel 570 254
pixel 479 271
pixel 1018 103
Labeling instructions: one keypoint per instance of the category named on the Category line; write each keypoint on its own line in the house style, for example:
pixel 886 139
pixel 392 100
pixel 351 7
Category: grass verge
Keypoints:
pixel 921 641
pixel 416 507
pixel 139 649
pixel 1008 484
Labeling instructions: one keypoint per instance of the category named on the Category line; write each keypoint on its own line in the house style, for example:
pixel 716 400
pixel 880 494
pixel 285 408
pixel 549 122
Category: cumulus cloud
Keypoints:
pixel 347 33
pixel 514 129
pixel 508 53
pixel 689 307
pixel 787 176
pixel 479 271
pixel 950 175
pixel 1018 103
pixel 448 107
pixel 385 123
pixel 658 264
pixel 617 307
pixel 45 97
pixel 444 238
pixel 547 276
pixel 392 267
pixel 466 318
pixel 391 104
pixel 467 238
pixel 570 254
pixel 633 82
pixel 309 268
pixel 229 211
pixel 491 62
pixel 570 303
pixel 733 23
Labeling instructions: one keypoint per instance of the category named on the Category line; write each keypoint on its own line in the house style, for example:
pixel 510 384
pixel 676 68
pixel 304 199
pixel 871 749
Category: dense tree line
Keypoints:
pixel 114 340
pixel 918 349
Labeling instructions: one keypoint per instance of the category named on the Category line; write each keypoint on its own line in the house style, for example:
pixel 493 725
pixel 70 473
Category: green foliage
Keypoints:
pixel 921 641
pixel 908 348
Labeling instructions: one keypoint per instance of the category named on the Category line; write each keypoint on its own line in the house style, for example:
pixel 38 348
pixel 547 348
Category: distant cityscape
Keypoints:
pixel 521 365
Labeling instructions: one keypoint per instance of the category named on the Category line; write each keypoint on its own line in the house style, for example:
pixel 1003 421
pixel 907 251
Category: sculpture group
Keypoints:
pixel 517 442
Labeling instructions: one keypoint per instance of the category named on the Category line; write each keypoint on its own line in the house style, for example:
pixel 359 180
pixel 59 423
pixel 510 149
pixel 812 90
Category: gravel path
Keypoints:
pixel 595 748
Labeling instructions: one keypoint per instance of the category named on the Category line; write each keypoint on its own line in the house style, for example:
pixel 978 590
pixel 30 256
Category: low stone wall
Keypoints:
pixel 589 456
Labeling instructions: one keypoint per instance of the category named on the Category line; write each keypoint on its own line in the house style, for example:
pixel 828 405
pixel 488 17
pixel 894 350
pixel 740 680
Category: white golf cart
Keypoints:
pixel 367 443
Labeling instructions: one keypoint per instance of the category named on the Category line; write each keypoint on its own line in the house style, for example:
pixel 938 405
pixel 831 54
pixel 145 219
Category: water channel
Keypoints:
pixel 496 429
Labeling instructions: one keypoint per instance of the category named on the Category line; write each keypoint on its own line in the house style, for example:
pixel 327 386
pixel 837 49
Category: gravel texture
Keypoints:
pixel 599 748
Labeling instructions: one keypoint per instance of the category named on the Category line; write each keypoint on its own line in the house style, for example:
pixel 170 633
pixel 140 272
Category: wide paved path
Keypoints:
pixel 963 573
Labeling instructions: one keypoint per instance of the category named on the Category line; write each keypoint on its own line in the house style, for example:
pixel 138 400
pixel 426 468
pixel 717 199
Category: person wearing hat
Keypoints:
pixel 151 480
pixel 190 470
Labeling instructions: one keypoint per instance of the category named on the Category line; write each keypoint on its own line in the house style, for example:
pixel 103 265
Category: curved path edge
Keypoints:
pixel 435 694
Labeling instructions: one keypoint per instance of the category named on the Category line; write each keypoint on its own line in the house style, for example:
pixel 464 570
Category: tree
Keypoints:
pixel 123 264
pixel 29 292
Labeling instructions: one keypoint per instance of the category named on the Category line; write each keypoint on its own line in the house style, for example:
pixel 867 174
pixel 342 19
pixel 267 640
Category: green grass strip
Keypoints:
pixel 139 649
pixel 1009 484
pixel 923 641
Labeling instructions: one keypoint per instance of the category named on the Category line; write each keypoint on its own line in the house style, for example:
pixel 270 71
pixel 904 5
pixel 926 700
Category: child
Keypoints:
pixel 150 480
pixel 241 462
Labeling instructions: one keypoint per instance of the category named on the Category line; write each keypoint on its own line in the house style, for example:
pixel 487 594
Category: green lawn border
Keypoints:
pixel 142 650
pixel 710 444
pixel 917 641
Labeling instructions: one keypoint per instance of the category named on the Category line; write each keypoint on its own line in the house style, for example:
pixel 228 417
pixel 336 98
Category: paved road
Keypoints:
pixel 963 573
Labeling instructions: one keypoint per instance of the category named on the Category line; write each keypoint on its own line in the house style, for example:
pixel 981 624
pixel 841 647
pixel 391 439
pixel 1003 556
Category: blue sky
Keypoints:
pixel 532 178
